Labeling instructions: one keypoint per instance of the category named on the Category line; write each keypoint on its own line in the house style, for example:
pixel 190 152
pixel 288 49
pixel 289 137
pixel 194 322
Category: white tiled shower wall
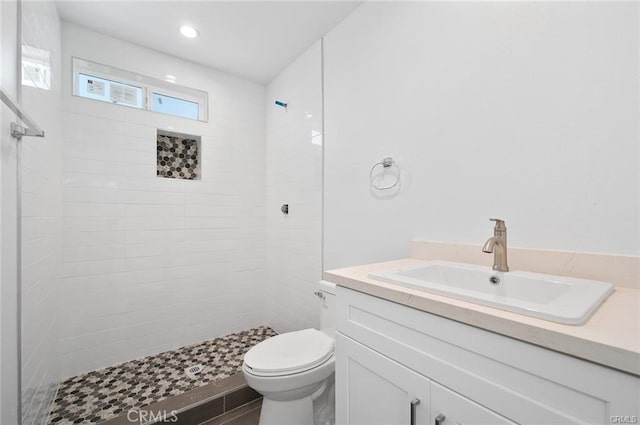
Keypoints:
pixel 294 177
pixel 526 111
pixel 41 220
pixel 149 263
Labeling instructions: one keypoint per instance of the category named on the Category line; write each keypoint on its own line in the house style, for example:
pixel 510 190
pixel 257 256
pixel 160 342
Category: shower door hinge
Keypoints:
pixel 19 131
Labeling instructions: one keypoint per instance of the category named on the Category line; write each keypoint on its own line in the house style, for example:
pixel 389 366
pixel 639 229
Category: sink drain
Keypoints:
pixel 494 280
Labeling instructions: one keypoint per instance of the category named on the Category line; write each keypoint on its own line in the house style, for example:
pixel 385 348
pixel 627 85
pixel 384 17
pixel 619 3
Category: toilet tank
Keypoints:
pixel 327 294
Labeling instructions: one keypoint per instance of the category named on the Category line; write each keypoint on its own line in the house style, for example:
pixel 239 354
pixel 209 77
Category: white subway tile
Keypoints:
pixel 135 244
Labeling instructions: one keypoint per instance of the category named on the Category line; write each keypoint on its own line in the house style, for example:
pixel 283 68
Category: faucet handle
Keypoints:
pixel 499 223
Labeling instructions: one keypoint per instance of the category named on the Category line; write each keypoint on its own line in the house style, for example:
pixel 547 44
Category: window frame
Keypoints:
pixel 148 85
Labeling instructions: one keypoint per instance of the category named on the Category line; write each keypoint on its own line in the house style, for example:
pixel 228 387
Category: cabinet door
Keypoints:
pixel 448 407
pixel 374 390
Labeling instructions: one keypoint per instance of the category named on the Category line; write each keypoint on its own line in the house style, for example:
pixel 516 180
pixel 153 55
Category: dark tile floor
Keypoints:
pixel 106 393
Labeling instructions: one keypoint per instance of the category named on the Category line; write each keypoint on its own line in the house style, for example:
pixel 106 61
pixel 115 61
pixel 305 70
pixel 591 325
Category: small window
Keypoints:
pixel 108 84
pixel 110 91
pixel 175 106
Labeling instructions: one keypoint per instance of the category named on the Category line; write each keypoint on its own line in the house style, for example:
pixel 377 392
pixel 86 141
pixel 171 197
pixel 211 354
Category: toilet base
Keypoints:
pixel 292 412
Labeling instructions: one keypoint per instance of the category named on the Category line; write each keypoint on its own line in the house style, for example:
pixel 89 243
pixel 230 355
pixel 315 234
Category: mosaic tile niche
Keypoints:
pixel 178 156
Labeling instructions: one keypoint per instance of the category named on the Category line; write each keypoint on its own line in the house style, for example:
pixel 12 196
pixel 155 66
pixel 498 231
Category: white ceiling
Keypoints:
pixel 255 40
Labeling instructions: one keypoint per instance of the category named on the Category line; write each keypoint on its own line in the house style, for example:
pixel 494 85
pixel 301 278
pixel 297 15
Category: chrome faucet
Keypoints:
pixel 498 246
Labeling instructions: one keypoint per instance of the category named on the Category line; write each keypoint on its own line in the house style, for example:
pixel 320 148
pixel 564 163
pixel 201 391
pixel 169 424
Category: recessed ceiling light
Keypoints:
pixel 189 31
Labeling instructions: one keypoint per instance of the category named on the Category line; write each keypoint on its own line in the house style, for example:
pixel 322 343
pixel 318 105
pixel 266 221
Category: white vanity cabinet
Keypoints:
pixel 383 392
pixel 380 391
pixel 389 355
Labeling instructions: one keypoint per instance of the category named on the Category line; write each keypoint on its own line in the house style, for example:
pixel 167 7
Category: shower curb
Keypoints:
pixel 194 407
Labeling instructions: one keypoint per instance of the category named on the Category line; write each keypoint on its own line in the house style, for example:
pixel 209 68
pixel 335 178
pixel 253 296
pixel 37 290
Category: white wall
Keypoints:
pixel 151 264
pixel 41 221
pixel 524 111
pixel 294 177
pixel 9 362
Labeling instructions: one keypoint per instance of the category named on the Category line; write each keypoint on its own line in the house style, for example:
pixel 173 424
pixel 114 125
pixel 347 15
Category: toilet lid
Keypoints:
pixel 290 352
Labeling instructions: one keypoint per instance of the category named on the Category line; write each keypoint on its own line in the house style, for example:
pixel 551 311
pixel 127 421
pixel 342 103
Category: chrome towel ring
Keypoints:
pixel 384 163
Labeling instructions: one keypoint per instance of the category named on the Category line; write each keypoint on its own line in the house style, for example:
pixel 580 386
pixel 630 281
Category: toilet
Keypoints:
pixel 294 371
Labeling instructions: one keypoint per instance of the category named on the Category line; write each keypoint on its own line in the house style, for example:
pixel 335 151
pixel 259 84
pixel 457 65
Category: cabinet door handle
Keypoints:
pixel 440 419
pixel 414 404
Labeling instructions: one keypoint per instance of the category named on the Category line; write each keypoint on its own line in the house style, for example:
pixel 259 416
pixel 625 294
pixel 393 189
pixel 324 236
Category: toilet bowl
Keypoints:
pixel 294 371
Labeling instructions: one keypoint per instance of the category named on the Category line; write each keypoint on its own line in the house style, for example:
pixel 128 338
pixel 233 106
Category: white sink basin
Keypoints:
pixel 558 299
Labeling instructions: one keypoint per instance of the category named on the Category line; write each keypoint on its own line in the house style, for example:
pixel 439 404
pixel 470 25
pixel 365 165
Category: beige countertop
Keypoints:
pixel 611 337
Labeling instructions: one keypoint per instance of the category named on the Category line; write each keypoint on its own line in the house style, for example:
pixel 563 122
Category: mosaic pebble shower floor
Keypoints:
pixel 107 393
